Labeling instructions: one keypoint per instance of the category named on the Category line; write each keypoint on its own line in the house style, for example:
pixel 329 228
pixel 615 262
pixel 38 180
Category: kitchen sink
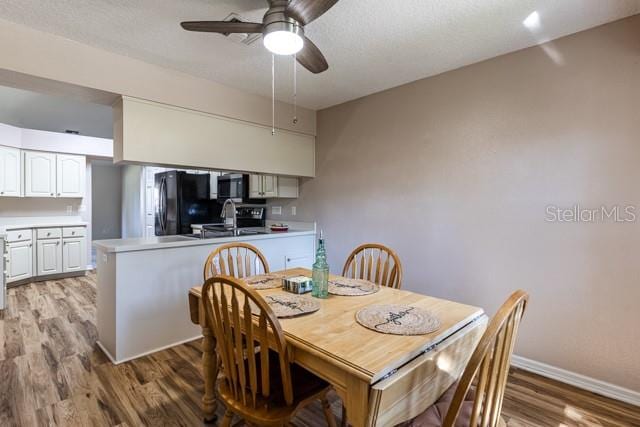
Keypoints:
pixel 171 239
pixel 213 232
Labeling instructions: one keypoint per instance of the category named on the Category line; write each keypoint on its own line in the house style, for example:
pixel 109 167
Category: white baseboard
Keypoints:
pixel 146 353
pixel 105 351
pixel 581 381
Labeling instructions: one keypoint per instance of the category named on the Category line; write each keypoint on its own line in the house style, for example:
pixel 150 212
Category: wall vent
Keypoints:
pixel 242 38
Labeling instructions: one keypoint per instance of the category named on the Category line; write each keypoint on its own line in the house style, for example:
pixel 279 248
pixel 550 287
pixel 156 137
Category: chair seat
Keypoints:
pixel 306 387
pixel 434 415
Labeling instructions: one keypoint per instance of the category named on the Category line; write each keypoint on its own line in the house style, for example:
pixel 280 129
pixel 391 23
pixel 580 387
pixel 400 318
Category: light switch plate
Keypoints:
pixel 69 209
pixel 276 210
pixel 293 210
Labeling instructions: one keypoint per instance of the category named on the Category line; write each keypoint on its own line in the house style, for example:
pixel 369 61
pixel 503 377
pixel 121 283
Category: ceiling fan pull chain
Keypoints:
pixel 273 94
pixel 295 90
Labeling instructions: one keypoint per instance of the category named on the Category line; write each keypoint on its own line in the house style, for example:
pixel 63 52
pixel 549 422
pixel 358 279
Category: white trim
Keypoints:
pixel 105 351
pixel 581 381
pixel 146 353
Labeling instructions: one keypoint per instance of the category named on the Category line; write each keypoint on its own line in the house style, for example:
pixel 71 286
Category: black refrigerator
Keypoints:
pixel 182 199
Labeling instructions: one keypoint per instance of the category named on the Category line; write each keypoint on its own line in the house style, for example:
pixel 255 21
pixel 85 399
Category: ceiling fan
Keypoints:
pixel 282 28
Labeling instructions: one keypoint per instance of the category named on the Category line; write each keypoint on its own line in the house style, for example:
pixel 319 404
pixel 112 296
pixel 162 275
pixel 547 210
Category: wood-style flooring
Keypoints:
pixel 52 373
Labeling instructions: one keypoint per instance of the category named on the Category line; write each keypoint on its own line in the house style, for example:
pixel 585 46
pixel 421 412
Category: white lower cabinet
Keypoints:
pixel 74 253
pixel 49 256
pixel 57 250
pixel 299 260
pixel 19 260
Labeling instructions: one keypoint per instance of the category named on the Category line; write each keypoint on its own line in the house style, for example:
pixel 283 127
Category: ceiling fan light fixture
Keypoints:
pixel 283 38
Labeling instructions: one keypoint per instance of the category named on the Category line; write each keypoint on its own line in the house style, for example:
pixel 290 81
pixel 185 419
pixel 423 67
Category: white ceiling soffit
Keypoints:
pixel 371 45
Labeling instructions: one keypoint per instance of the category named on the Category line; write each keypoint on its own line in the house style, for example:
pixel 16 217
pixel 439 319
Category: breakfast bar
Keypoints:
pixel 142 284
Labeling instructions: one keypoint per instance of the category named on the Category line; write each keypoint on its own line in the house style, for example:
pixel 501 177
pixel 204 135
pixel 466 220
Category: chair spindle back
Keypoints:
pixel 376 263
pixel 244 327
pixel 489 366
pixel 235 259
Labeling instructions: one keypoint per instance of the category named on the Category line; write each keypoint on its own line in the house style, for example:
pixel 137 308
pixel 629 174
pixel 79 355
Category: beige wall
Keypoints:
pixel 34 53
pixel 456 171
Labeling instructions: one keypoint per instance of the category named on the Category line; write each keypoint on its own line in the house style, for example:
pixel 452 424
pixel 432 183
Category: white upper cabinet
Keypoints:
pixel 287 187
pixel 263 186
pixel 255 186
pixel 269 186
pixel 10 172
pixel 272 186
pixel 39 174
pixel 54 175
pixel 71 172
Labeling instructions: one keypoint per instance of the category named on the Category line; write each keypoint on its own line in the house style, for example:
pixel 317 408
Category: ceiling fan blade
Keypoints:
pixel 222 27
pixel 311 58
pixel 305 11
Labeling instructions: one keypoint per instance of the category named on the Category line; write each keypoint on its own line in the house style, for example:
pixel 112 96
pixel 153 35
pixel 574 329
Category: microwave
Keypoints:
pixel 233 186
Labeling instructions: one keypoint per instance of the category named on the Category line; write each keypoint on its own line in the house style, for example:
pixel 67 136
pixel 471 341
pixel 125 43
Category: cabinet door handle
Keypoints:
pixel 58 194
pixel 52 194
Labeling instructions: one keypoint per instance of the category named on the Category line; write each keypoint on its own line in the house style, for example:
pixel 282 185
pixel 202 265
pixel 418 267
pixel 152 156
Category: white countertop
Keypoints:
pixel 165 242
pixel 13 223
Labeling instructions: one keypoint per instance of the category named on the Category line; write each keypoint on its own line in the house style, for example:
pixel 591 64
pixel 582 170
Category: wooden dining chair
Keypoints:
pixel 259 382
pixel 235 259
pixel 376 263
pixel 476 400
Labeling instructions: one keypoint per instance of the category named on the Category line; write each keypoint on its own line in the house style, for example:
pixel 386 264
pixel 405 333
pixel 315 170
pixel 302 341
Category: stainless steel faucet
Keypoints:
pixel 224 215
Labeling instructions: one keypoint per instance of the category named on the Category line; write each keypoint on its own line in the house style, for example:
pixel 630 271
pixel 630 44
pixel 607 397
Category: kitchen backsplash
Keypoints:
pixel 26 206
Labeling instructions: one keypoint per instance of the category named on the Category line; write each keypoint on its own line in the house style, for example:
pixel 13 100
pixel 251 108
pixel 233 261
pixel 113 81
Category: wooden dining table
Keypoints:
pixel 382 379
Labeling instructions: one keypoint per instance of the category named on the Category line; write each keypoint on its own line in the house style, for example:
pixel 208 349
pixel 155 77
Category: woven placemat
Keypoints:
pixel 265 281
pixel 398 319
pixel 291 305
pixel 352 287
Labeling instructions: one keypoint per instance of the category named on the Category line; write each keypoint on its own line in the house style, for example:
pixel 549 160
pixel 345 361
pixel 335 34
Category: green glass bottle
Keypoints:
pixel 320 276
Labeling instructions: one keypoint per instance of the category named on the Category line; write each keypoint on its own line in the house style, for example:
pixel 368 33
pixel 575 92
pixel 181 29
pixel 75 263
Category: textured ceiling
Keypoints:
pixel 30 110
pixel 371 45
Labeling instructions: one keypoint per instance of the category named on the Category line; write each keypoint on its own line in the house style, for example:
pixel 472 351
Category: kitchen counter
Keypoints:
pixel 160 242
pixel 13 223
